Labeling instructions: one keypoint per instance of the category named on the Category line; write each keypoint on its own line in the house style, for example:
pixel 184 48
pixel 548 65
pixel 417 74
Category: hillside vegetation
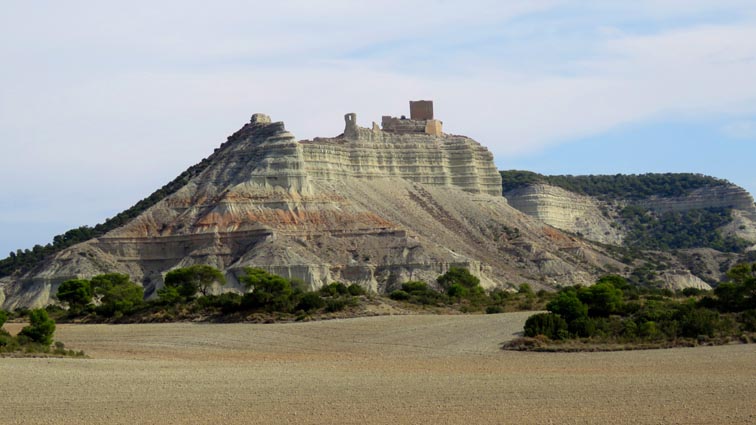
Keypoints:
pixel 618 186
pixel 613 314
pixel 647 229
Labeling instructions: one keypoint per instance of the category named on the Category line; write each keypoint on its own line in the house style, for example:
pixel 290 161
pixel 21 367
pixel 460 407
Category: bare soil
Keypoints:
pixel 375 370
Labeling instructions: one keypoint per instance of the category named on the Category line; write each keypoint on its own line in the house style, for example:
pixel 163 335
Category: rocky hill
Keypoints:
pixel 705 223
pixel 371 206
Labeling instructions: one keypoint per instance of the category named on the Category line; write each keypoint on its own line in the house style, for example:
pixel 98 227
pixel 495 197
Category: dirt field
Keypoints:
pixel 381 370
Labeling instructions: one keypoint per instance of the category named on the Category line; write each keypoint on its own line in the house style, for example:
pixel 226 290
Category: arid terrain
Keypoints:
pixel 387 370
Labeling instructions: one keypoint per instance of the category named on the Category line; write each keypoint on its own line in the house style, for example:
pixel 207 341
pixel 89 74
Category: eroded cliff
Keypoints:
pixel 370 206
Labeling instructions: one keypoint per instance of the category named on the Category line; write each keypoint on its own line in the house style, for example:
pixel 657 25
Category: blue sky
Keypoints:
pixel 102 103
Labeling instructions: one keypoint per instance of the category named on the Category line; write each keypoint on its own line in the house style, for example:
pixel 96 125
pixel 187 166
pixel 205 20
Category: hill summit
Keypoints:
pixel 375 206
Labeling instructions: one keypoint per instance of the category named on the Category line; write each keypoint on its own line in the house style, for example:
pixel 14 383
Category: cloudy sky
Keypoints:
pixel 103 102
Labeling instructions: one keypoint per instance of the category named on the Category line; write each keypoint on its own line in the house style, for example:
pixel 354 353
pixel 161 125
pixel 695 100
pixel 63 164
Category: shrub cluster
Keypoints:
pixel 36 338
pixel 613 310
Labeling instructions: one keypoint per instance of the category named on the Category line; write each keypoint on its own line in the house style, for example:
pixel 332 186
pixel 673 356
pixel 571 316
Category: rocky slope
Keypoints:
pixel 369 206
pixel 599 217
pixel 569 211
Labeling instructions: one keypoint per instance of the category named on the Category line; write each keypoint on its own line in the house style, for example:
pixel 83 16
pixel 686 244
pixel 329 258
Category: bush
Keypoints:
pixel 356 290
pixel 746 318
pixel 228 302
pixel 269 291
pixel 546 324
pixel 699 321
pixel 118 295
pixel 691 292
pixel 568 306
pixel 337 304
pixel 41 328
pixel 494 309
pixel 334 289
pixel 77 293
pixel 3 318
pixel 399 295
pixel 459 276
pixel 602 299
pixel 310 301
pixel 197 277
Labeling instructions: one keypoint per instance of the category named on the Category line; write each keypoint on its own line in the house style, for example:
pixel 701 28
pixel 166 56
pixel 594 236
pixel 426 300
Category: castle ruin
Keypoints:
pixel 421 121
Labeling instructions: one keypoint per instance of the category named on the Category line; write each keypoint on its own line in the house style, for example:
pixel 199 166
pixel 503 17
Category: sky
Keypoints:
pixel 101 103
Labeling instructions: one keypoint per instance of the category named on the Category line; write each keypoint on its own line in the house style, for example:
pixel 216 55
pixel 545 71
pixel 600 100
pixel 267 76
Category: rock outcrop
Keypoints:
pixel 568 211
pixel 370 206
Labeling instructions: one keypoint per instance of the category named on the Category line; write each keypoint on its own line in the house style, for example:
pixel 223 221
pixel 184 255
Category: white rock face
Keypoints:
pixel 567 211
pixel 681 279
pixel 449 161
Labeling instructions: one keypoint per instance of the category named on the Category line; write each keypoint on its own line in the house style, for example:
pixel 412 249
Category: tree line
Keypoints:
pixel 618 186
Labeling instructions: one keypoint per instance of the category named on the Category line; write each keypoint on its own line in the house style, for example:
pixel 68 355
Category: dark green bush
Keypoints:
pixel 41 328
pixel 269 291
pixel 228 302
pixel 310 301
pixel 334 289
pixel 3 318
pixel 399 295
pixel 494 309
pixel 337 304
pixel 77 293
pixel 548 324
pixel 567 305
pixel 355 290
pixel 195 278
pixel 748 320
pixel 118 295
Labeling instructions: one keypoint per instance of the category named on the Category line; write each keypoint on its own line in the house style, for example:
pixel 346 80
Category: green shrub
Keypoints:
pixel 699 321
pixel 747 319
pixel 494 309
pixel 567 305
pixel 458 276
pixel 648 330
pixel 334 289
pixel 195 278
pixel 228 302
pixel 270 292
pixel 584 327
pixel 399 295
pixel 3 318
pixel 691 292
pixel 602 299
pixel 546 324
pixel 525 289
pixel 118 295
pixel 355 290
pixel 169 295
pixel 77 293
pixel 310 301
pixel 457 290
pixel 338 304
pixel 41 328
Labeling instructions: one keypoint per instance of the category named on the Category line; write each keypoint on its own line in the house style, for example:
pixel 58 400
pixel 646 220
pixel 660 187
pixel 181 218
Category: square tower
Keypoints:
pixel 421 110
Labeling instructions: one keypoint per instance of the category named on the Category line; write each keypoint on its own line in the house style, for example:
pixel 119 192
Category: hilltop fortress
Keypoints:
pixel 414 149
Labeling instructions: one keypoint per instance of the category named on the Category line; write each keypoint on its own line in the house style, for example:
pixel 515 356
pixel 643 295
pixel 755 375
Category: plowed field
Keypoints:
pixel 379 370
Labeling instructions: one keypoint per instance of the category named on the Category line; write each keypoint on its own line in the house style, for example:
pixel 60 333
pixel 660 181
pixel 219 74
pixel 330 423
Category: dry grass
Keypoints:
pixel 392 370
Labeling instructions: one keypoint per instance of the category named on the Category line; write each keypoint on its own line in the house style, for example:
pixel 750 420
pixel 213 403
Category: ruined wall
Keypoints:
pixel 421 110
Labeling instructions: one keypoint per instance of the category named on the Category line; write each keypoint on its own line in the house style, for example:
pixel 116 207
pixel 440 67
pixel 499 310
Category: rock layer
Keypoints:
pixel 567 211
